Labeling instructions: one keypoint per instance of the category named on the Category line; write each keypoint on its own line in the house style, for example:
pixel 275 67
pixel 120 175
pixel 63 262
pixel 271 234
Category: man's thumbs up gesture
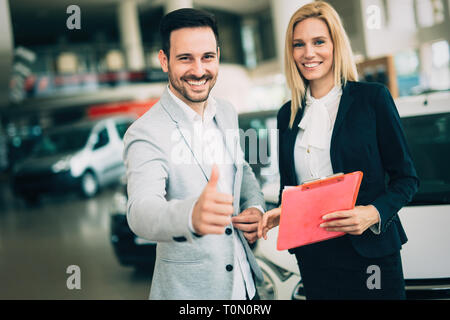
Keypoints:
pixel 212 211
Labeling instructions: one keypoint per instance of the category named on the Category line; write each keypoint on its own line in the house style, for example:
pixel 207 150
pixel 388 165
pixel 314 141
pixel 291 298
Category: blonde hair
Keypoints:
pixel 344 66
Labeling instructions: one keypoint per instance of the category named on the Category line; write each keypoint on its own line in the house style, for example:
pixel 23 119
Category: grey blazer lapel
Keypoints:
pixel 184 127
pixel 231 138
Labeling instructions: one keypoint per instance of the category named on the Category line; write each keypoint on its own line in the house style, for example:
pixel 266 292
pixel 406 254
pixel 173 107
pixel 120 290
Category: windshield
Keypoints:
pixel 429 141
pixel 62 141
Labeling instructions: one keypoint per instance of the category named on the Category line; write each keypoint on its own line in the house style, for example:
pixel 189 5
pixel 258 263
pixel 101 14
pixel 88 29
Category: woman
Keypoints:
pixel 335 124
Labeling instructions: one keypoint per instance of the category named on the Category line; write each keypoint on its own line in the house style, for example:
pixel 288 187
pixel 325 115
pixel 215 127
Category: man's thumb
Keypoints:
pixel 214 178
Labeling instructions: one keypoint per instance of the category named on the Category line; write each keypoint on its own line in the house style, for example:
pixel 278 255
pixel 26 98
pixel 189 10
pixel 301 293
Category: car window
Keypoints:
pixel 103 138
pixel 62 141
pixel 429 141
pixel 122 128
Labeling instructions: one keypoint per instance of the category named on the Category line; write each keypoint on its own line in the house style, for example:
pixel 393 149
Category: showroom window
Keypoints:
pixel 429 142
pixel 440 74
pixel 430 12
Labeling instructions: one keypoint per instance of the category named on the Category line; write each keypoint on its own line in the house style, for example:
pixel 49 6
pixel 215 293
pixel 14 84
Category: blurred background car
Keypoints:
pixel 129 249
pixel 83 156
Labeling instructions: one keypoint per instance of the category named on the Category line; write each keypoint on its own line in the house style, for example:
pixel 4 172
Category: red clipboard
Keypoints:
pixel 303 207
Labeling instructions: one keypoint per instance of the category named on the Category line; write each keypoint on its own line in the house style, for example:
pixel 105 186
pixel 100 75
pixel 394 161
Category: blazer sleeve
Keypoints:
pixel 403 182
pixel 149 214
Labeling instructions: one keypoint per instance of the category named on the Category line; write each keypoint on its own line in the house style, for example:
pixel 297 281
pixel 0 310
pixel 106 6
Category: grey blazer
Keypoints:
pixel 164 181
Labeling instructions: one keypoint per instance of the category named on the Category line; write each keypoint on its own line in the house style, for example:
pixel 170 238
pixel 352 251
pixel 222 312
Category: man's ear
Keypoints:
pixel 218 53
pixel 163 60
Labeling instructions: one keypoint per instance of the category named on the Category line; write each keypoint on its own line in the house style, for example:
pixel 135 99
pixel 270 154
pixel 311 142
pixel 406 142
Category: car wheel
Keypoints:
pixel 89 185
pixel 278 284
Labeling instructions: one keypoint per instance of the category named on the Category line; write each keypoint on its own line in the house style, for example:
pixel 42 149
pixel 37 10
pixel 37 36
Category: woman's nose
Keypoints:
pixel 309 51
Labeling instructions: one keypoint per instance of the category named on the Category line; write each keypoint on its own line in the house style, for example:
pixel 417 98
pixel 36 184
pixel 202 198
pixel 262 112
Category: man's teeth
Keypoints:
pixel 197 83
pixel 311 65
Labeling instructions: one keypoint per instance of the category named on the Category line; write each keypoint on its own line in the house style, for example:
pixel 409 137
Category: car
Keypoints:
pixel 84 156
pixel 426 255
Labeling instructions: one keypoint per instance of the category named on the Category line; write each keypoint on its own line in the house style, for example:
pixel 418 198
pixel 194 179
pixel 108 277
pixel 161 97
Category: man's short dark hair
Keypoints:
pixel 185 18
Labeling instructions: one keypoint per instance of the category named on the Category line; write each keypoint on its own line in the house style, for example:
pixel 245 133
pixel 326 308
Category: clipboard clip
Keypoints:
pixel 309 184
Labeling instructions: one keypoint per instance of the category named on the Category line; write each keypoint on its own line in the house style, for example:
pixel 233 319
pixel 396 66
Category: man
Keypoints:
pixel 187 180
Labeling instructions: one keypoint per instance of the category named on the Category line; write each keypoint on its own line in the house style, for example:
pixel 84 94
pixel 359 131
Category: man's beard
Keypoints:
pixel 178 86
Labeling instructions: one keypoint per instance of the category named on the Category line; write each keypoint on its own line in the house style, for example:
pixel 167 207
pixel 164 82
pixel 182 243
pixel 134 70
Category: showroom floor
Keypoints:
pixel 39 243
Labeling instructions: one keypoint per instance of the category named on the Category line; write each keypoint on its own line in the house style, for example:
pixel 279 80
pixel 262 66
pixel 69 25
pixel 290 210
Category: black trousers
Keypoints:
pixel 333 270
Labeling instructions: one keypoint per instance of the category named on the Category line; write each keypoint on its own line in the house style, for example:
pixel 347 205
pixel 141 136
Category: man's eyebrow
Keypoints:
pixel 183 55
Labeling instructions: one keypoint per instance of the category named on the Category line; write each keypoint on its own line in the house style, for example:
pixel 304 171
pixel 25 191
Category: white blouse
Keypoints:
pixel 312 146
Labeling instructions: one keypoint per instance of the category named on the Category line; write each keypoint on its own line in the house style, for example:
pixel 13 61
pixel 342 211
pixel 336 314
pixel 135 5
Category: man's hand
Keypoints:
pixel 212 211
pixel 248 221
pixel 354 221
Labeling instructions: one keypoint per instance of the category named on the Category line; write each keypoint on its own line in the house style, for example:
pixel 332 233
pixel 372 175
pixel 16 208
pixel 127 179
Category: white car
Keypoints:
pixel 82 156
pixel 426 255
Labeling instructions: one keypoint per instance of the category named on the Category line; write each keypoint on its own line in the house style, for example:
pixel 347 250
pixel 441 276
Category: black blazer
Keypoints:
pixel 367 136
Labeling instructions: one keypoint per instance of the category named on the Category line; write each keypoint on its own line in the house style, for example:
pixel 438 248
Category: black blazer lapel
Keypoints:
pixel 344 105
pixel 291 135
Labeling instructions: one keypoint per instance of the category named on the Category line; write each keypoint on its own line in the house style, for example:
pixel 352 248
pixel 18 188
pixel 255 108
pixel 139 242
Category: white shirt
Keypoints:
pixel 209 147
pixel 312 147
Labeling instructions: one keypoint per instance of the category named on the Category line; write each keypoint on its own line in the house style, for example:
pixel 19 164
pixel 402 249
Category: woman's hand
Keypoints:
pixel 270 220
pixel 354 221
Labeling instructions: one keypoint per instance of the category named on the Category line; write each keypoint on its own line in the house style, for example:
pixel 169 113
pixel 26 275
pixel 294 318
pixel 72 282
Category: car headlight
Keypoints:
pixel 61 165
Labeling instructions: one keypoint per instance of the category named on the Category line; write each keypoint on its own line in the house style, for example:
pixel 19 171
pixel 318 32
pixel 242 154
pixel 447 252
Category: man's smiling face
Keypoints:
pixel 193 65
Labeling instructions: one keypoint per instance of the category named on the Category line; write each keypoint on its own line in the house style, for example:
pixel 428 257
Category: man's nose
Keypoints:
pixel 198 70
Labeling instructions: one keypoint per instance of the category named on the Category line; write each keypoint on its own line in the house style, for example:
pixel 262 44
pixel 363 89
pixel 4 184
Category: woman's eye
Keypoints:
pixel 319 42
pixel 298 45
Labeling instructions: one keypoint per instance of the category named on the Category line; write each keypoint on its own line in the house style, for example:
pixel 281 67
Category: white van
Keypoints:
pixel 426 255
pixel 82 156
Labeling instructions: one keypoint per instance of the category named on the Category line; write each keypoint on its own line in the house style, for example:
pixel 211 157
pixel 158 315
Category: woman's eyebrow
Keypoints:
pixel 313 38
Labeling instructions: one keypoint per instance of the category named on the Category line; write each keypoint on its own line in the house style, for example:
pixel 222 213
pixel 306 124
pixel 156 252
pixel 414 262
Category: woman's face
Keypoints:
pixel 313 50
